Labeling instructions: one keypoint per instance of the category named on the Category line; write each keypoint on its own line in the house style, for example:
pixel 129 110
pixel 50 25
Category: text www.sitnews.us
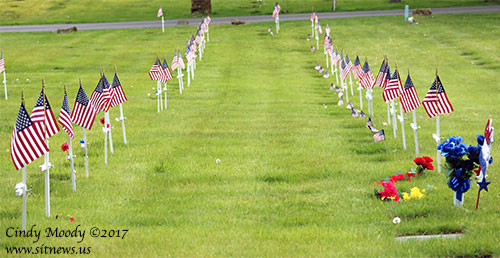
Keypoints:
pixel 43 249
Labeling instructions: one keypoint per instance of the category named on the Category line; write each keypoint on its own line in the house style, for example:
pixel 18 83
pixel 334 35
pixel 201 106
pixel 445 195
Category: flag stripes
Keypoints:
pixel 393 88
pixel 436 101
pixel 83 112
pixel 43 118
pixel 119 95
pixel 27 143
pixel 65 117
pixel 409 98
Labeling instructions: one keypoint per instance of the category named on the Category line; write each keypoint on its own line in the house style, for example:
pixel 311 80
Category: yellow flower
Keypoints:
pixel 406 197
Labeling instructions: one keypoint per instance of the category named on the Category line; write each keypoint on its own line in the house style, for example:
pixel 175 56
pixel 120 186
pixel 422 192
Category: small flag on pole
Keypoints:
pixel 409 98
pixel 83 113
pixel 119 95
pixel 27 143
pixel 43 118
pixel 166 71
pixel 160 12
pixel 367 79
pixel 382 74
pixel 2 63
pixel 276 10
pixel 393 88
pixel 65 117
pixel 97 98
pixel 436 101
pixel 154 72
pixel 379 136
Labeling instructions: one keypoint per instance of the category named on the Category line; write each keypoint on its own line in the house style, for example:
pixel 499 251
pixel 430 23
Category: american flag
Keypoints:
pixel 336 57
pixel 436 101
pixel 357 69
pixel 341 101
pixel 154 72
pixel 318 28
pixel 314 18
pixel 108 93
pixel 175 61
pixel 43 118
pixel 119 95
pixel 367 79
pixel 208 20
pixel 198 39
pixel 485 156
pixel 83 113
pixel 203 27
pixel 394 88
pixel 409 98
pixel 276 10
pixel 189 54
pixel 344 70
pixel 98 99
pixel 160 12
pixel 369 122
pixel 65 117
pixel 354 112
pixel 327 30
pixel 181 61
pixel 2 63
pixel 380 136
pixel 386 76
pixel 382 74
pixel 27 142
pixel 166 71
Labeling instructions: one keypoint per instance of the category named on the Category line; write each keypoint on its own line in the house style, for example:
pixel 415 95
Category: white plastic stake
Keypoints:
pixel 5 84
pixel 402 120
pixel 336 73
pixel 122 118
pixel 277 21
pixel 189 73
pixel 165 90
pixel 438 133
pixel 86 156
pixel 415 129
pixel 393 112
pixel 107 121
pixel 24 200
pixel 160 96
pixel 47 181
pixel 162 24
pixel 360 89
pixel 158 86
pixel 388 113
pixel 350 82
pixel 312 28
pixel 70 151
pixel 105 131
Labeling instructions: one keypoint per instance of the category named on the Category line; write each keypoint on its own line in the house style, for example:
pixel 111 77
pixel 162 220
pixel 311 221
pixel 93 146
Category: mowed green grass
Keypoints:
pixel 78 11
pixel 294 176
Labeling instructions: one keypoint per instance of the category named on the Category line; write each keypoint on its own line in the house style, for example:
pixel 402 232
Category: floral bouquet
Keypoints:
pixel 423 163
pixel 461 161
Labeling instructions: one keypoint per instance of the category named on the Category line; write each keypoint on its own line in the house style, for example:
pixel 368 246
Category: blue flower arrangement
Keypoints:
pixel 461 161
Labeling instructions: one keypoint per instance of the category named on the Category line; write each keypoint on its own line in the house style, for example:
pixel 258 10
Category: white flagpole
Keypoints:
pixel 331 64
pixel 326 55
pixel 402 120
pixel 46 166
pixel 165 90
pixel 162 24
pixel 388 113
pixel 24 199
pixel 317 39
pixel 208 34
pixel 180 79
pixel 189 73
pixel 193 66
pixel 360 89
pixel 122 118
pixel 437 143
pixel 70 151
pixel 158 96
pixel 105 130
pixel 85 145
pixel 5 84
pixel 393 112
pixel 336 73
pixel 414 126
pixel 344 86
pixel 277 21
pixel 350 82
pixel 108 122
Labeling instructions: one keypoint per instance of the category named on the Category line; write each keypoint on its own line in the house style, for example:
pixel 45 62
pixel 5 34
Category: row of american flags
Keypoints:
pixel 435 101
pixel 31 131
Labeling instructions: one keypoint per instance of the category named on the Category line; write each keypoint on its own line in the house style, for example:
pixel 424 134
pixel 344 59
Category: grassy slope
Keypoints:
pixel 291 180
pixel 72 11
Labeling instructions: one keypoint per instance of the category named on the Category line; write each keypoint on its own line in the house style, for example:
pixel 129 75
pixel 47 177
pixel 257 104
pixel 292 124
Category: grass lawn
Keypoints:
pixel 78 11
pixel 292 176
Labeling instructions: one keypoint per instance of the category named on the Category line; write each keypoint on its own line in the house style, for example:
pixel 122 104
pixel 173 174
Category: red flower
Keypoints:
pixel 410 175
pixel 430 166
pixel 427 159
pixel 390 191
pixel 102 120
pixel 71 219
pixel 420 161
pixel 65 146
